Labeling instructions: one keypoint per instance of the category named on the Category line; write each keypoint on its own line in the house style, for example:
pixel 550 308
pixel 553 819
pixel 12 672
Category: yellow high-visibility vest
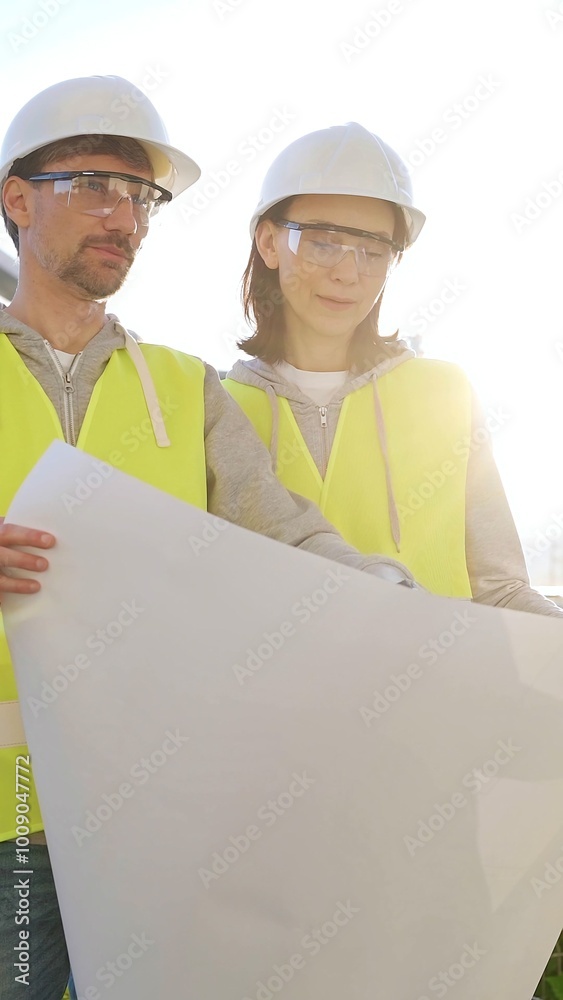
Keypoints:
pixel 426 408
pixel 116 429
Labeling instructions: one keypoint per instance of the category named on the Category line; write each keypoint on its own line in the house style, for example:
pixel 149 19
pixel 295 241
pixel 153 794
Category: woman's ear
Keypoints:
pixel 265 237
pixel 16 196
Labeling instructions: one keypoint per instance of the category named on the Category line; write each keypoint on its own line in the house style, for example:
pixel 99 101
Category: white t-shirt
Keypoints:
pixel 319 386
pixel 65 359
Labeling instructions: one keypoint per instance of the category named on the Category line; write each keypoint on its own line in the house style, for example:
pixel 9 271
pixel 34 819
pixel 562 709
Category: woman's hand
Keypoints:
pixel 12 536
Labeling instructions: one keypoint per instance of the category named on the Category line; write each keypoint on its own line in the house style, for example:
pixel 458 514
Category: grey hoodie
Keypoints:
pixel 241 485
pixel 495 561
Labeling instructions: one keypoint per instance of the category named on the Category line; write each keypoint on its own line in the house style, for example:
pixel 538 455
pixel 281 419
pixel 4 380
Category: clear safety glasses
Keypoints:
pixel 316 244
pixel 99 192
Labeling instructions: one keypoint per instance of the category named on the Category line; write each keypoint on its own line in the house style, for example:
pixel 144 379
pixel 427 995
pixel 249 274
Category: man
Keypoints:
pixel 84 166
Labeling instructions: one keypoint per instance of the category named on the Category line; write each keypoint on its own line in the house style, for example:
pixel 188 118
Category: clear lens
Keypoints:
pixel 324 248
pixel 100 195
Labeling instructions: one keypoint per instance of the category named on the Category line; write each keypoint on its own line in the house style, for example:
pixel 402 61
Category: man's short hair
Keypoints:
pixel 128 150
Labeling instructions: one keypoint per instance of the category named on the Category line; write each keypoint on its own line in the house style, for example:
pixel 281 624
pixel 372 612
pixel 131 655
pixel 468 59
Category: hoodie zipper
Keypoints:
pixel 323 411
pixel 69 390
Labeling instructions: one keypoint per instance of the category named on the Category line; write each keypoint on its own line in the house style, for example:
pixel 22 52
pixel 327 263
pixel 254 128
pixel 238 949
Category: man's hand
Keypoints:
pixel 12 536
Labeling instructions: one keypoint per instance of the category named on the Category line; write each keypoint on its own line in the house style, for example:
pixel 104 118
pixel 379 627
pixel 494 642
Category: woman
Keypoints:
pixel 390 446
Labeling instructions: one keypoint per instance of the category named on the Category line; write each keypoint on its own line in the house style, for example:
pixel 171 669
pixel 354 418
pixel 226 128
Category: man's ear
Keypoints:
pixel 265 237
pixel 17 199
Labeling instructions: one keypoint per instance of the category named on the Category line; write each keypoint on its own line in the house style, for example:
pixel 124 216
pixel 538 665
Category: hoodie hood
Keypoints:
pixel 263 375
pixel 267 377
pixel 30 344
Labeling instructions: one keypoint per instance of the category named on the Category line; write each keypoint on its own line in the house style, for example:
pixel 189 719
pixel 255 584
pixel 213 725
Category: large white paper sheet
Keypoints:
pixel 265 774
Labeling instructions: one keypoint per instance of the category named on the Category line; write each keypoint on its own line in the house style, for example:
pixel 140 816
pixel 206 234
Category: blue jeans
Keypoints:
pixel 31 932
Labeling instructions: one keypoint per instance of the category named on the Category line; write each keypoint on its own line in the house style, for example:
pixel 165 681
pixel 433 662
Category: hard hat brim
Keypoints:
pixel 185 171
pixel 414 217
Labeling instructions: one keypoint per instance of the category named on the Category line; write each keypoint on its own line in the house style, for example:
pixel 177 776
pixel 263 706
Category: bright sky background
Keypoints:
pixel 469 93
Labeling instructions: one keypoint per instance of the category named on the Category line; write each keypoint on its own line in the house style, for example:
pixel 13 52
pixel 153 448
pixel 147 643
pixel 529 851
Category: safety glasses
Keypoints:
pixel 99 192
pixel 318 244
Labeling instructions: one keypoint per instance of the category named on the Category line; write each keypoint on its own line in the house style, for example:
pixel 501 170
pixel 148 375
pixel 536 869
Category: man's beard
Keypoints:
pixel 98 280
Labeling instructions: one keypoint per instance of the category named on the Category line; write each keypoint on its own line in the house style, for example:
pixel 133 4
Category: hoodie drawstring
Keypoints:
pixel 273 399
pixel 380 423
pixel 151 398
pixel 260 377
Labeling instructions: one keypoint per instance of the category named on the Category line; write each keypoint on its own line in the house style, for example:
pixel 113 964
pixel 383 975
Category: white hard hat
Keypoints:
pixel 343 159
pixel 104 105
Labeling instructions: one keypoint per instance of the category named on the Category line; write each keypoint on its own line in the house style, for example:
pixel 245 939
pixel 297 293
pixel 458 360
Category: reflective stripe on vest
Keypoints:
pixel 427 412
pixel 117 430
